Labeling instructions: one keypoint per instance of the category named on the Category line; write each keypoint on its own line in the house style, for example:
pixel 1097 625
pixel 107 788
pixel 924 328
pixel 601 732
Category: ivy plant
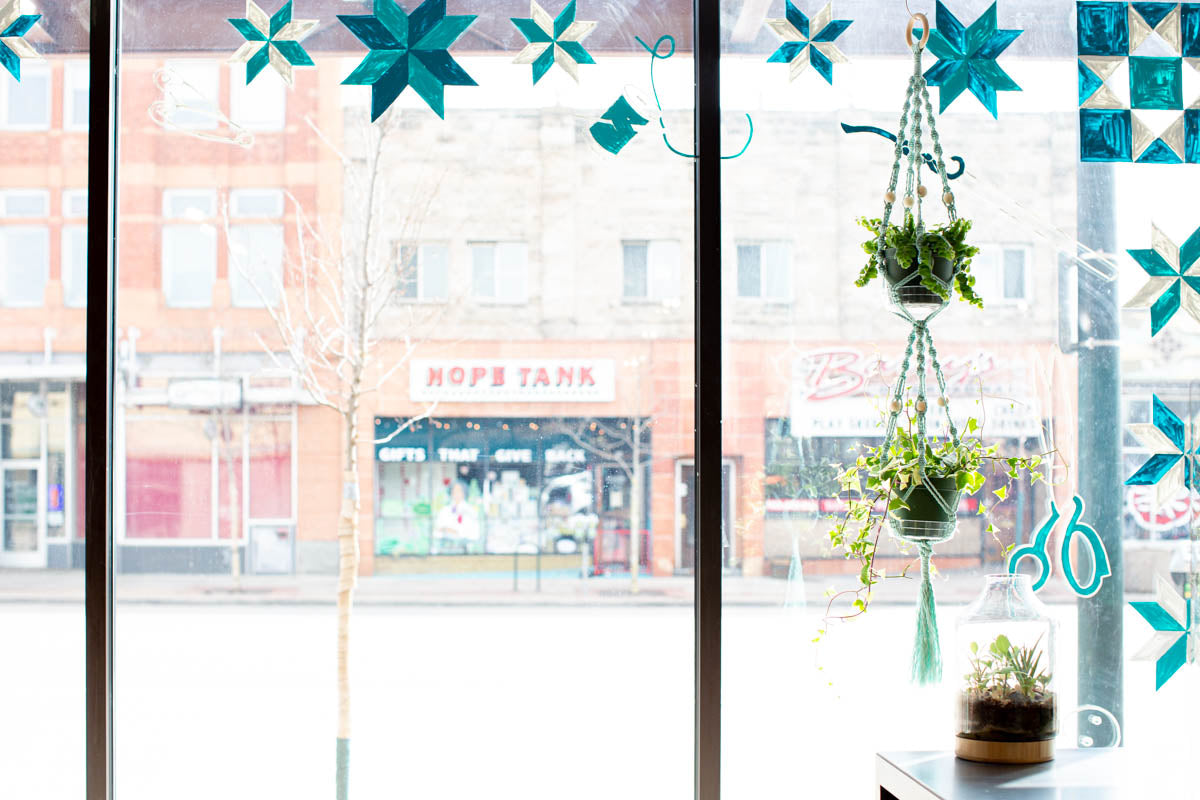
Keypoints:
pixel 948 240
pixel 875 483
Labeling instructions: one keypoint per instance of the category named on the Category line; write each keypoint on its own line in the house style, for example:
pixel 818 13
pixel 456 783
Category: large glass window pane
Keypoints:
pixel 42 369
pixel 1043 368
pixel 380 343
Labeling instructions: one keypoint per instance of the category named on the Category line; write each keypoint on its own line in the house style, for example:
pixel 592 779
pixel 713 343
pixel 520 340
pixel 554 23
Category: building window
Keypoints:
pixel 1003 273
pixel 189 256
pixel 764 271
pixel 256 248
pixel 27 103
pixel 651 270
pixel 77 80
pixel 74 248
pixel 499 272
pixel 422 271
pixel 195 86
pixel 25 247
pixel 260 105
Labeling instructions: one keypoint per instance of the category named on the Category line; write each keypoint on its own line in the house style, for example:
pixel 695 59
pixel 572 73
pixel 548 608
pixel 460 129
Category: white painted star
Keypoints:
pixel 294 30
pixel 568 58
pixel 787 32
pixel 13 26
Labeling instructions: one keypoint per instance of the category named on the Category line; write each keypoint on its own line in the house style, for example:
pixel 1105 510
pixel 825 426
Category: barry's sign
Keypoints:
pixel 513 381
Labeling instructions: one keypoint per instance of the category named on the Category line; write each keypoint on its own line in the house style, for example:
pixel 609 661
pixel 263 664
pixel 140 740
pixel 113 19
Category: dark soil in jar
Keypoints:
pixel 1011 718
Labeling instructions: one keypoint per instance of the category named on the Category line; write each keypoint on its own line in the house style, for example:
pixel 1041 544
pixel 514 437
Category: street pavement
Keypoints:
pixel 236 700
pixel 491 589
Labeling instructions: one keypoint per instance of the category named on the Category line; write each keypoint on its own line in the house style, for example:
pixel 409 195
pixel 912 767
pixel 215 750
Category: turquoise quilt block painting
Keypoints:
pixel 1137 69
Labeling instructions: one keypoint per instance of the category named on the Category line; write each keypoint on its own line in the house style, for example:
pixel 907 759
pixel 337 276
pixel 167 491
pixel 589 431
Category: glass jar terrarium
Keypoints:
pixel 1008 709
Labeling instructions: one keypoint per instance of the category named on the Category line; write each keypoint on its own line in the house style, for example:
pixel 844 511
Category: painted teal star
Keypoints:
pixel 1174 278
pixel 408 50
pixel 13 47
pixel 553 41
pixel 1171 618
pixel 808 41
pixel 272 40
pixel 968 58
pixel 1171 468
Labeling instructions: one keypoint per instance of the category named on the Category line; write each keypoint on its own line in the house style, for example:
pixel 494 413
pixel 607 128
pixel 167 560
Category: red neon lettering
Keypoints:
pixel 435 377
pixel 542 379
pixel 585 377
pixel 497 376
pixel 457 374
pixel 565 375
pixel 477 374
pixel 525 375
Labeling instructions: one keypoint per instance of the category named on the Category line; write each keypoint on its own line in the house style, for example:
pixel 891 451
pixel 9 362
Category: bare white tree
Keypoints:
pixel 336 307
pixel 623 443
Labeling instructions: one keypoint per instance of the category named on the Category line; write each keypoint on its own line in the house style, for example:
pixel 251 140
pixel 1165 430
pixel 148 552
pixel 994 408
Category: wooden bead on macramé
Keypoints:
pixel 890 197
pixel 922 191
pixel 896 406
pixel 948 198
pixel 942 402
pixel 921 406
pixel 908 201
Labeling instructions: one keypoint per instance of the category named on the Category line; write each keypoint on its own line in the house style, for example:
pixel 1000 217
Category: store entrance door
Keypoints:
pixel 685 513
pixel 22 515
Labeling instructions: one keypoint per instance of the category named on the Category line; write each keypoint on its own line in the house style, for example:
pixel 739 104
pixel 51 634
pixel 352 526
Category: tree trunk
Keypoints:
pixel 347 578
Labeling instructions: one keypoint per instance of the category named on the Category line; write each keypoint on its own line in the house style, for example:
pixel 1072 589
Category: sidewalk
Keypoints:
pixel 62 586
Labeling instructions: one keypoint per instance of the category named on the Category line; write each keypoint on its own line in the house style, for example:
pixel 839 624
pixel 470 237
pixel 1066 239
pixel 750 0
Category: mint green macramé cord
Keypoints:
pixel 927 648
pixel 941 379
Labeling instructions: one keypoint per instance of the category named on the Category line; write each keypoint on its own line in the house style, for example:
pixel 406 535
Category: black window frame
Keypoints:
pixel 101 323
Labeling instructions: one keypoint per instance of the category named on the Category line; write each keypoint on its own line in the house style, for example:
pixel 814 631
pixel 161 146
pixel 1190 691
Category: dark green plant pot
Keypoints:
pixel 914 292
pixel 925 519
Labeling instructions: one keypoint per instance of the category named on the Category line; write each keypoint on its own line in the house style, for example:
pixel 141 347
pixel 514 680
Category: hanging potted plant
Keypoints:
pixel 914 483
pixel 921 265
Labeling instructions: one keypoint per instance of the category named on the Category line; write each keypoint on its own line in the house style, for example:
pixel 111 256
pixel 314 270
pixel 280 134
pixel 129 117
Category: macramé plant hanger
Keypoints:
pixel 923 524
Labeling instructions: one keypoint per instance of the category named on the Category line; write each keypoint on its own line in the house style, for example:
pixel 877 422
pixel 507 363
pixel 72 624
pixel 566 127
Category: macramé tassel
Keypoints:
pixel 927 650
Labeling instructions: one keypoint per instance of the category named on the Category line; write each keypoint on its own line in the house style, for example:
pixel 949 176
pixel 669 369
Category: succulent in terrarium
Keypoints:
pixel 1008 709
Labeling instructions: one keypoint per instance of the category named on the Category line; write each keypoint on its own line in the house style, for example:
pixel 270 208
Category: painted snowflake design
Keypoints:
pixel 967 58
pixel 1174 278
pixel 1171 618
pixel 1171 468
pixel 272 40
pixel 808 41
pixel 13 47
pixel 408 50
pixel 553 41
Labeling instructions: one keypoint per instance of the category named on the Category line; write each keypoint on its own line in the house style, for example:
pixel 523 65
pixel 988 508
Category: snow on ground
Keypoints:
pixel 237 702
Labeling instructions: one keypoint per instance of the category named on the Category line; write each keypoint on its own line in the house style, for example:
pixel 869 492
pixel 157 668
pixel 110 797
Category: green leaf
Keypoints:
pixel 1002 492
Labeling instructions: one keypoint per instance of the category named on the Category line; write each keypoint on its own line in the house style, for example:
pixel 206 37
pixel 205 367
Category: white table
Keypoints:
pixel 1095 774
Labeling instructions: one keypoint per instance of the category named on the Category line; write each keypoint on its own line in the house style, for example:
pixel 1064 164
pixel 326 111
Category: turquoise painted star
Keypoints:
pixel 408 50
pixel 968 58
pixel 1170 469
pixel 1174 278
pixel 808 41
pixel 553 41
pixel 1171 618
pixel 272 40
pixel 13 47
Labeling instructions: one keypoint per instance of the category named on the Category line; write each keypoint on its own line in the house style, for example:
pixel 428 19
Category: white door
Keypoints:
pixel 22 515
